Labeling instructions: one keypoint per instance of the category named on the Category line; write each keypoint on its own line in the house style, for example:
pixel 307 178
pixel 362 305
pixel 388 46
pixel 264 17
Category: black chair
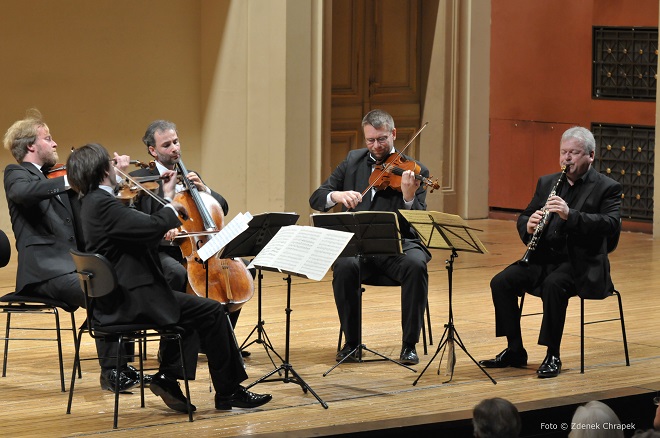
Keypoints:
pixel 612 243
pixel 386 281
pixel 21 304
pixel 98 278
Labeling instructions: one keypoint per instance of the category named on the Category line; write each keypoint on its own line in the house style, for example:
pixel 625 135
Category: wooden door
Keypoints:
pixel 375 64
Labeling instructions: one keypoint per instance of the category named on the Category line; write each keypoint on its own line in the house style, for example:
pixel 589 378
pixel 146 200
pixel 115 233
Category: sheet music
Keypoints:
pixel 235 227
pixel 302 250
pixel 443 230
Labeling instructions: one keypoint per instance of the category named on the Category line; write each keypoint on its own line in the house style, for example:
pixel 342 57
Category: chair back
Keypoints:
pixel 5 249
pixel 97 276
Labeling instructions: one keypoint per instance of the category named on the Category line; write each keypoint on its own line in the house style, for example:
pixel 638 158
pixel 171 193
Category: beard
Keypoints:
pixel 49 159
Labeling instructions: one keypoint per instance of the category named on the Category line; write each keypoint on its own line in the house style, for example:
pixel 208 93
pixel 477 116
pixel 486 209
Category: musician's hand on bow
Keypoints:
pixel 534 221
pixel 194 178
pixel 122 162
pixel 350 199
pixel 169 183
pixel 409 185
pixel 181 210
pixel 557 205
pixel 171 234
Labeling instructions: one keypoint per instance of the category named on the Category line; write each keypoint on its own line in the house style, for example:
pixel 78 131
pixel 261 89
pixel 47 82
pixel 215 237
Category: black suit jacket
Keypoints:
pixel 353 174
pixel 593 220
pixel 42 219
pixel 128 237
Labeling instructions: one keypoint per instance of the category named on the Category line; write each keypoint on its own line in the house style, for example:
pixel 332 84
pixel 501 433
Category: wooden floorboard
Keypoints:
pixel 371 395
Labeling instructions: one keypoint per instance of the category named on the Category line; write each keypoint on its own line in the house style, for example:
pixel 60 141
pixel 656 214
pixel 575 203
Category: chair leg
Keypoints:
pixel 76 364
pixel 623 328
pixel 4 361
pixel 581 335
pixel 424 337
pixel 428 323
pixel 141 341
pixel 120 354
pixel 185 377
pixel 75 340
pixel 58 330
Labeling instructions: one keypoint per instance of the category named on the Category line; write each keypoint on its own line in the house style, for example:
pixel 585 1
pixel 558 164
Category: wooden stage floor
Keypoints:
pixel 373 397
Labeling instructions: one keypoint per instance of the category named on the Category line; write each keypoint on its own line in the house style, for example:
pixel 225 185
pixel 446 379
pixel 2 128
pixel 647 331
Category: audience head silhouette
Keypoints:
pixel 496 418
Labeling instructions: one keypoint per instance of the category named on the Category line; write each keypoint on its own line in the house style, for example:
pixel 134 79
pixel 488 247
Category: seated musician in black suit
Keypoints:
pixel 571 254
pixel 128 238
pixel 163 144
pixel 43 214
pixel 344 186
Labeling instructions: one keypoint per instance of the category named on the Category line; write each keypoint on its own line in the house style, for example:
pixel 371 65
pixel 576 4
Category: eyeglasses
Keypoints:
pixel 380 140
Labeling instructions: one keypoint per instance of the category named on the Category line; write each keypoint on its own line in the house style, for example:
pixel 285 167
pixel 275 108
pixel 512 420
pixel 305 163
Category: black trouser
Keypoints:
pixel 553 282
pixel 207 319
pixel 408 269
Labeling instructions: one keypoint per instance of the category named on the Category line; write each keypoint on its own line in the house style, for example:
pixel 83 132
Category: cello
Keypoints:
pixel 225 280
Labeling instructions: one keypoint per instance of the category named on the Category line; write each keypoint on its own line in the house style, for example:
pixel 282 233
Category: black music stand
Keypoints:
pixel 261 229
pixel 374 233
pixel 446 231
pixel 304 252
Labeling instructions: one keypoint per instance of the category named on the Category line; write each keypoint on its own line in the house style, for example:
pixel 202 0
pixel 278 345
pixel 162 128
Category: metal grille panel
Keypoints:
pixel 627 154
pixel 625 63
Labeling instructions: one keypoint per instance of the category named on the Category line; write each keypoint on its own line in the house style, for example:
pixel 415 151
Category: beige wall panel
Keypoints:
pixel 100 71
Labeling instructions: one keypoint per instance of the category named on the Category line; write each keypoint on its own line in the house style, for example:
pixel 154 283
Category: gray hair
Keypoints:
pixel 378 119
pixel 584 137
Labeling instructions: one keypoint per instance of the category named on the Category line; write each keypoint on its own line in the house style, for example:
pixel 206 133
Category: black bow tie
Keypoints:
pixel 371 161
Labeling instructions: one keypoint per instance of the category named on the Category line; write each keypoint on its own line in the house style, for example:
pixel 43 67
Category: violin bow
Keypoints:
pixel 387 168
pixel 143 188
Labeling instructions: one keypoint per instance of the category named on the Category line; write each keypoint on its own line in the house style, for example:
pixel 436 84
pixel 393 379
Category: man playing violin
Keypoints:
pixel 126 237
pixel 345 186
pixel 44 218
pixel 162 141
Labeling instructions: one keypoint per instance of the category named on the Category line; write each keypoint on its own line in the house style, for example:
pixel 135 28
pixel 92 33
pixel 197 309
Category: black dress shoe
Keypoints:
pixel 551 367
pixel 345 351
pixel 408 356
pixel 169 390
pixel 108 379
pixel 507 358
pixel 241 398
pixel 134 374
pixel 245 353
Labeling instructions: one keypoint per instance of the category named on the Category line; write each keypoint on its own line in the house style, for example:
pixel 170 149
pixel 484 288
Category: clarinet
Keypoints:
pixel 536 237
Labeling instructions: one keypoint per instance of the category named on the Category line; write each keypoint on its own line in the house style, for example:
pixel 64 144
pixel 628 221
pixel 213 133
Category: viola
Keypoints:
pixel 388 174
pixel 225 280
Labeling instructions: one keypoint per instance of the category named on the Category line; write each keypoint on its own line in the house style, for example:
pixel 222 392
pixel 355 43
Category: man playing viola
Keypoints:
pixel 345 186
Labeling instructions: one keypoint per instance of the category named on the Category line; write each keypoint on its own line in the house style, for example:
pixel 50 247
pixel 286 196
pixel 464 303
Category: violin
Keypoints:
pixel 388 174
pixel 59 169
pixel 225 280
pixel 129 192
